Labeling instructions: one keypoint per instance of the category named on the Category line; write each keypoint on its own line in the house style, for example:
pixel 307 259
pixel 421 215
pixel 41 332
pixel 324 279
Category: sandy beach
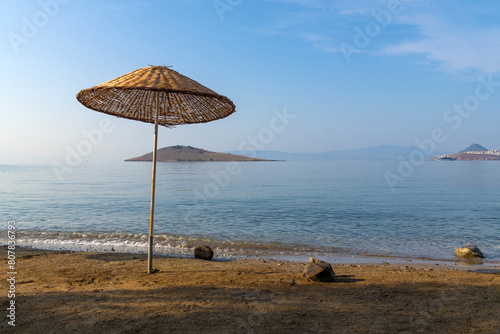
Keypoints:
pixel 77 292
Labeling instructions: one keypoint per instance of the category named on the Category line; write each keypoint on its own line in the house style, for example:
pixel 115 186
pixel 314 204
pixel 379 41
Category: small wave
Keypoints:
pixel 170 244
pixel 164 244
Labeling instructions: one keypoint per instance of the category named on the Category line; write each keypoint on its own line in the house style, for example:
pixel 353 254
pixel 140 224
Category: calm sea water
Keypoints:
pixel 267 208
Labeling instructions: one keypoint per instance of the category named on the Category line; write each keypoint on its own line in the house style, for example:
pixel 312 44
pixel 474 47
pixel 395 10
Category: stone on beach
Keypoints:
pixel 469 251
pixel 203 252
pixel 319 271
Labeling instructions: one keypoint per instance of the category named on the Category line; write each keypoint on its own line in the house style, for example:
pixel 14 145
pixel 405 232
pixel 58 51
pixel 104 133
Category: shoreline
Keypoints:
pixel 112 293
pixel 287 255
pixel 354 260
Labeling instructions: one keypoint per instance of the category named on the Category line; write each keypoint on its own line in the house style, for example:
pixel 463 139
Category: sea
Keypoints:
pixel 339 211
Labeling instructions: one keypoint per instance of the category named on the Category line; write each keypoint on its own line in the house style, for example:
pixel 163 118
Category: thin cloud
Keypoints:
pixel 464 42
pixel 320 42
pixel 300 18
pixel 452 47
pixel 307 3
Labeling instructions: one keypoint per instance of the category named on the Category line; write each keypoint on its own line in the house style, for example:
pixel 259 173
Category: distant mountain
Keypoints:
pixel 474 148
pixel 180 153
pixel 377 153
pixel 471 153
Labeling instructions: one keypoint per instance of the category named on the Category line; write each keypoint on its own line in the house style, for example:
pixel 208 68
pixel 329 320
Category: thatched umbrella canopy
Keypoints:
pixel 161 96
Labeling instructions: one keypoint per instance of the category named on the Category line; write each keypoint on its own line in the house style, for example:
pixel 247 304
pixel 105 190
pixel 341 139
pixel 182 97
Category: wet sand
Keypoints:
pixel 78 292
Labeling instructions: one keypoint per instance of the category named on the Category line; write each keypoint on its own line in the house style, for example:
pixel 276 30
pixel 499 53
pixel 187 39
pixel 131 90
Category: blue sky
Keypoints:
pixel 352 73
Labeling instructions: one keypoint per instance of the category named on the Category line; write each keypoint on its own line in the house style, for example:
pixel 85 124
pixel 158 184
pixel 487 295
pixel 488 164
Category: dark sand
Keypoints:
pixel 76 292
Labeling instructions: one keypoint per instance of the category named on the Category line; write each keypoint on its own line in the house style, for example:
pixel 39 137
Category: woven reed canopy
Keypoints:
pixel 133 96
pixel 158 95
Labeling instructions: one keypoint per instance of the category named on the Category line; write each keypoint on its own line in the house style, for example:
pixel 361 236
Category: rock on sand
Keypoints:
pixel 469 251
pixel 203 252
pixel 319 271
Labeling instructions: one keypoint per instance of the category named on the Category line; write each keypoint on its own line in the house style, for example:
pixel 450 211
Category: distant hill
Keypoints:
pixel 180 153
pixel 471 153
pixel 474 148
pixel 376 153
pixel 188 153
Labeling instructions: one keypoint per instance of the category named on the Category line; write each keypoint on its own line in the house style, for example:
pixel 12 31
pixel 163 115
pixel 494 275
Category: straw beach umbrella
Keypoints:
pixel 158 95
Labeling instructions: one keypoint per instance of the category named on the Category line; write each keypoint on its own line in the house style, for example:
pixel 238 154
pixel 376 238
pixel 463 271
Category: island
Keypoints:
pixel 181 153
pixel 471 153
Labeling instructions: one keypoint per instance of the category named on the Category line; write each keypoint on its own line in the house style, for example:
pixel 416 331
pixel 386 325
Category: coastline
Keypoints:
pixel 102 242
pixel 111 292
pixel 292 215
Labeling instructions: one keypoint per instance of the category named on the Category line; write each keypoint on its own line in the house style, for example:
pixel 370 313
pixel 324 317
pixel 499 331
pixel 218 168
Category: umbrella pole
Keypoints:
pixel 153 188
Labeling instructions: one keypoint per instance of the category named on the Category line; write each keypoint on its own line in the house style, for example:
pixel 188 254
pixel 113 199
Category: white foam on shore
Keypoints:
pixel 184 246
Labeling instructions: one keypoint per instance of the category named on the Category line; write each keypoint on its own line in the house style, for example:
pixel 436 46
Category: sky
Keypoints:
pixel 305 75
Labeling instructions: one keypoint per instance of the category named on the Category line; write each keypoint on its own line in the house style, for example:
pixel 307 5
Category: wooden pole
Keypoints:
pixel 153 185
